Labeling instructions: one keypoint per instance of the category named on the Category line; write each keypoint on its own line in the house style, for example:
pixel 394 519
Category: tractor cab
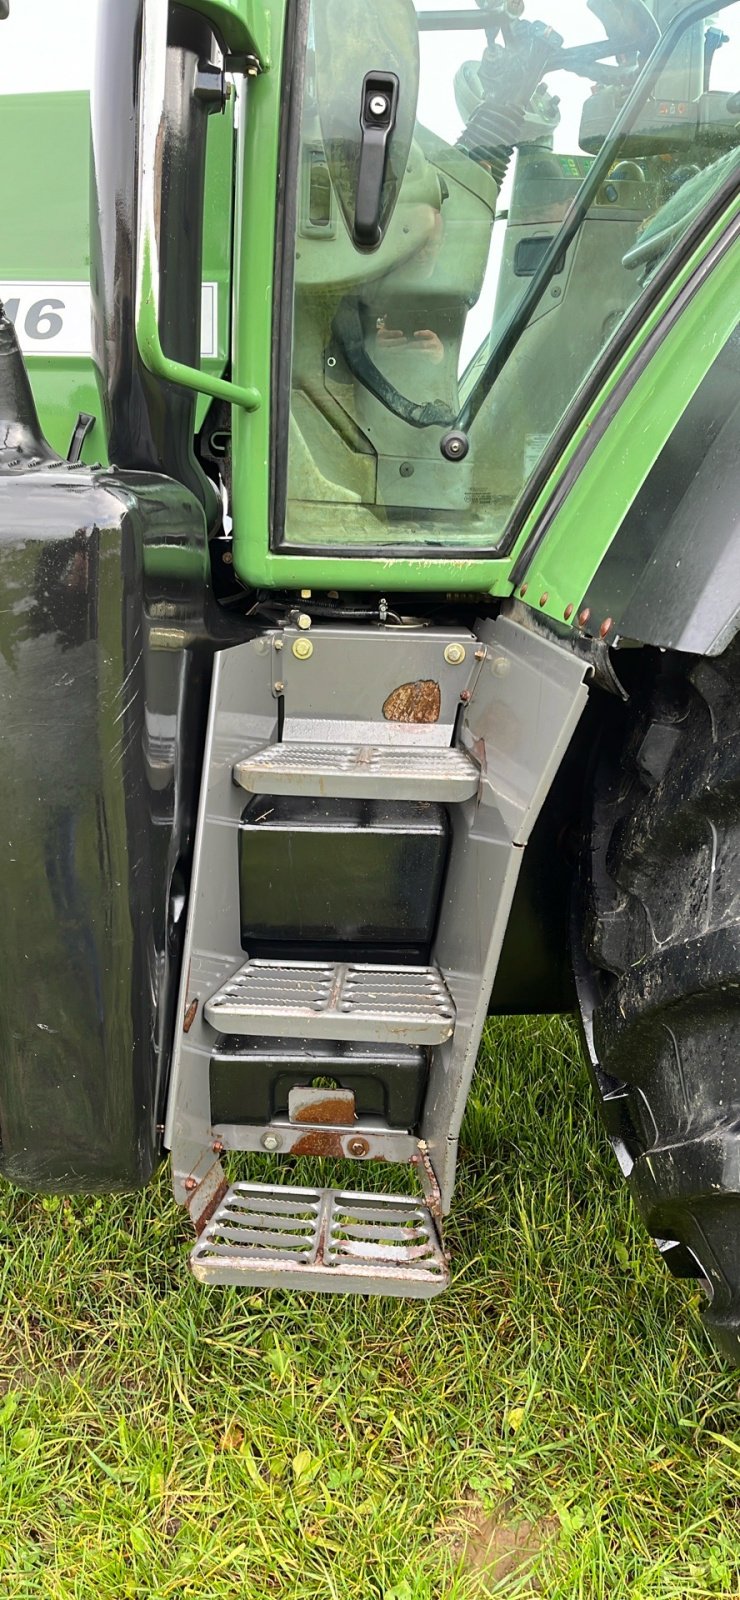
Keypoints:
pixel 473 208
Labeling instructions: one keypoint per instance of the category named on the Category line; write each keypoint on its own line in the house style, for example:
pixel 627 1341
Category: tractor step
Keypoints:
pixel 359 772
pixel 335 1000
pixel 322 1239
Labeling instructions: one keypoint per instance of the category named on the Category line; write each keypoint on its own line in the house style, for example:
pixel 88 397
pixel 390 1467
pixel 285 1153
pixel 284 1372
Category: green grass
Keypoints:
pixel 159 1440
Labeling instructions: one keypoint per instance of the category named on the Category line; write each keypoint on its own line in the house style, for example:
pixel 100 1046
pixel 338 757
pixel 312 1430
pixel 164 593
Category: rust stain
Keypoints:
pixel 190 1016
pixel 204 1217
pixel 333 1108
pixel 319 1143
pixel 414 702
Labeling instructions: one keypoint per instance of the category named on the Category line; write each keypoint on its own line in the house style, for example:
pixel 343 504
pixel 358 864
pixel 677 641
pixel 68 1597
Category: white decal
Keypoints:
pixel 54 319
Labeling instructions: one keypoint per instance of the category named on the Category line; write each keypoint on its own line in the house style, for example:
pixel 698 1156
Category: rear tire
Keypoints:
pixel 659 958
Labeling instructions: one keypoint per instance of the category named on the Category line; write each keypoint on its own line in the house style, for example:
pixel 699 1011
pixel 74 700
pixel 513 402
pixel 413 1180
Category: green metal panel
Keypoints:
pixel 45 244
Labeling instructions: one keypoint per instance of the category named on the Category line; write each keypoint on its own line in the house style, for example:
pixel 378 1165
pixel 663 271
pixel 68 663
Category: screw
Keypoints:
pixel 278 687
pixel 358 1147
pixel 480 655
pixel 583 617
pixel 278 644
pixel 523 590
pixel 217 1147
pixel 190 1184
pixel 455 655
pixel 556 293
pixel 228 559
pixel 568 612
pixel 406 470
pixel 466 696
pixel 270 1141
pixel 544 598
pixel 302 649
pixel 501 667
pixel 378 105
pixel 304 621
pixel 606 627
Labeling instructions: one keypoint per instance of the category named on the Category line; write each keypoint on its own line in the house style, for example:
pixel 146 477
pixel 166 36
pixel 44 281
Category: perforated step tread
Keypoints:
pixel 327 1000
pixel 359 771
pixel 322 1239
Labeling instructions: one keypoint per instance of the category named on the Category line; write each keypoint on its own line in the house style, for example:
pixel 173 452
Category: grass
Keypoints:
pixel 159 1440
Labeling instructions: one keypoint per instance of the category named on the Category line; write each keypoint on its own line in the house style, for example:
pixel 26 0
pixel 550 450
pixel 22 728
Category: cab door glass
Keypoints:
pixel 442 148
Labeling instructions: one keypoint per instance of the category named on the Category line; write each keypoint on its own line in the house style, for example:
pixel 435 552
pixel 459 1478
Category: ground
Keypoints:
pixel 555 1425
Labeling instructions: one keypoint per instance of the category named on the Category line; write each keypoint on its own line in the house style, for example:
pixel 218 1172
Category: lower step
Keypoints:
pixel 322 1239
pixel 328 1000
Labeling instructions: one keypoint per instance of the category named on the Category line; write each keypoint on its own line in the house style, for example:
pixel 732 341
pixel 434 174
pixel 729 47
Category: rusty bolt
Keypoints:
pixel 302 649
pixel 217 1147
pixel 358 1147
pixel 189 1017
pixel 544 598
pixel 606 627
pixel 191 1184
pixel 454 654
pixel 523 590
pixel 466 696
pixel 569 612
pixel 583 617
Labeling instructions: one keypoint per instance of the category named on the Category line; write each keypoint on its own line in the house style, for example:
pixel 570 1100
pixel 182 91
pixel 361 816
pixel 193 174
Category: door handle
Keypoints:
pixel 378 111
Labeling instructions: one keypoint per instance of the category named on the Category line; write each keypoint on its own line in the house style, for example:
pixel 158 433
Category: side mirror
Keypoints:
pixel 367 89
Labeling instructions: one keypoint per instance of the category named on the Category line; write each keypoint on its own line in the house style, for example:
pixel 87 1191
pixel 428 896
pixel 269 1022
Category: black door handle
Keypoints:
pixel 378 110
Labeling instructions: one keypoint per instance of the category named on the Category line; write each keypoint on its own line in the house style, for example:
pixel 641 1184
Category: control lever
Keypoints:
pixel 379 108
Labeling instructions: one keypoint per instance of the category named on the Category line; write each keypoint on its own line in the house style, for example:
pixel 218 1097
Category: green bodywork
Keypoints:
pixel 46 240
pixel 46 245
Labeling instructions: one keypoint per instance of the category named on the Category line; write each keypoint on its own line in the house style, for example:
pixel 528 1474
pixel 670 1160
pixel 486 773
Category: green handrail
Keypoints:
pixel 243 25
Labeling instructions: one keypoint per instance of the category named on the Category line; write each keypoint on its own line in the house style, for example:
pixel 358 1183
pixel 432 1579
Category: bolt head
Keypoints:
pixel 501 667
pixel 304 621
pixel 302 649
pixel 584 616
pixel 606 627
pixel 454 655
pixel 358 1147
pixel 306 594
pixel 270 1141
pixel 278 687
pixel 190 1184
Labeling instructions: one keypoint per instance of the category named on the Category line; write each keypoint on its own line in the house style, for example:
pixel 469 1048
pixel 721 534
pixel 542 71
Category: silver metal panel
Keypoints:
pixel 322 1239
pixel 326 1000
pixel 359 771
pixel 526 704
pixel 339 692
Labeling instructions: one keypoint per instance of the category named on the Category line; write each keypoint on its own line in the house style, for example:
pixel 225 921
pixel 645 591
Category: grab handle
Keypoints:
pixel 151 142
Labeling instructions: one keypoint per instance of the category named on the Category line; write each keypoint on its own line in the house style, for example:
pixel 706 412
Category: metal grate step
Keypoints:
pixel 359 772
pixel 327 1000
pixel 285 1238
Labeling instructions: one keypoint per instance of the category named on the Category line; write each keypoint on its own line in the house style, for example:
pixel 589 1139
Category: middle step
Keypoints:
pixel 335 1000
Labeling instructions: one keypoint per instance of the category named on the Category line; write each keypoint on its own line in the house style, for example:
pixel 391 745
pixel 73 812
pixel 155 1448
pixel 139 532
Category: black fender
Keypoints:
pixel 671 578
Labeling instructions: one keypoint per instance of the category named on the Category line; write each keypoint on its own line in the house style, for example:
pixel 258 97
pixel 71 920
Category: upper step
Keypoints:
pixel 287 1238
pixel 328 1000
pixel 359 772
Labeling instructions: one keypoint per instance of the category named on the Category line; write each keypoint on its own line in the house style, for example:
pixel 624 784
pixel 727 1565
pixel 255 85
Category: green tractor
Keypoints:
pixel 369 611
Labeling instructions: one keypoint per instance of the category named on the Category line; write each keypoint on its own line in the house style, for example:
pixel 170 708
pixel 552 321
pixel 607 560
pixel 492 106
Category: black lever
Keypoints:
pixel 378 111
